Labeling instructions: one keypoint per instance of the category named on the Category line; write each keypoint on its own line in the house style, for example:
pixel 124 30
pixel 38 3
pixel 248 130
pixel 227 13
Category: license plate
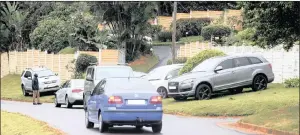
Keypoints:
pixel 136 102
pixel 172 87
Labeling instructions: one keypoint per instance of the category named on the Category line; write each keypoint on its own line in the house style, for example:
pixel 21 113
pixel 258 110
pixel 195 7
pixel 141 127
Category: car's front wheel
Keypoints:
pixel 24 91
pixel 56 102
pixel 163 92
pixel 260 82
pixel 203 92
pixel 88 124
pixel 102 126
pixel 157 128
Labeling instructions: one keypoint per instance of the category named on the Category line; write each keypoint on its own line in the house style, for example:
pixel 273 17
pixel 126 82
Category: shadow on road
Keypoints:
pixel 126 130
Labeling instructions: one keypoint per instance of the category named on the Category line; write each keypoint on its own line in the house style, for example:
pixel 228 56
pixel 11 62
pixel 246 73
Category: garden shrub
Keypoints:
pixel 198 58
pixel 291 83
pixel 191 27
pixel 177 61
pixel 215 31
pixel 165 36
pixel 83 61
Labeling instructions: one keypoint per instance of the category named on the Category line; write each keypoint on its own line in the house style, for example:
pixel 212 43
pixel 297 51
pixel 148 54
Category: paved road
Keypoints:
pixel 71 121
pixel 164 53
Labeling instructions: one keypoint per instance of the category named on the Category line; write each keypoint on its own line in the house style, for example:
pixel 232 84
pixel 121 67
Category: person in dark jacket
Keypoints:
pixel 35 89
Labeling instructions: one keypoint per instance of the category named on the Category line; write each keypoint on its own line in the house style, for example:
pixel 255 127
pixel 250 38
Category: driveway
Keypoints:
pixel 164 53
pixel 71 121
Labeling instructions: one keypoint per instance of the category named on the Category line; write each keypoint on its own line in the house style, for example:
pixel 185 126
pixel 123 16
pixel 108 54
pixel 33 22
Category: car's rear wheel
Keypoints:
pixel 236 90
pixel 180 98
pixel 203 92
pixel 68 104
pixel 24 91
pixel 260 82
pixel 88 124
pixel 163 92
pixel 56 102
pixel 157 128
pixel 102 126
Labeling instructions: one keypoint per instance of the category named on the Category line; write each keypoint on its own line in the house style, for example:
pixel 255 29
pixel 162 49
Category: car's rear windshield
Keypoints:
pixel 129 85
pixel 44 73
pixel 108 72
pixel 77 83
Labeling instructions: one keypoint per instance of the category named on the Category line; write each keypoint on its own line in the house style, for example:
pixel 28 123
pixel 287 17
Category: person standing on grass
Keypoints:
pixel 35 89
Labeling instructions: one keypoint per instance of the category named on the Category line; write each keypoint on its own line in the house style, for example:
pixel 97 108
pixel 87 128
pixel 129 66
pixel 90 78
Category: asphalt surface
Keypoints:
pixel 71 121
pixel 164 53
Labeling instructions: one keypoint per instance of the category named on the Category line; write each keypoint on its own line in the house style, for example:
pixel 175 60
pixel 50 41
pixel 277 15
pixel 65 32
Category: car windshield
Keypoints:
pixel 45 73
pixel 109 72
pixel 78 83
pixel 156 73
pixel 206 65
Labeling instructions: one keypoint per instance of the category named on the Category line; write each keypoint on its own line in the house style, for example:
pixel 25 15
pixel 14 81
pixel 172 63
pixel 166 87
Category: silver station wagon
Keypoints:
pixel 231 73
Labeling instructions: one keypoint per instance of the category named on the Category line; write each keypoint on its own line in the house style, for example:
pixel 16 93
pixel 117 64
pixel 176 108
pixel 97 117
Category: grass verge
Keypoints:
pixel 276 107
pixel 144 63
pixel 11 90
pixel 18 124
pixel 180 42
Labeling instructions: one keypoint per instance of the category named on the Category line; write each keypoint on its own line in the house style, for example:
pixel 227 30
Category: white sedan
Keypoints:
pixel 71 93
pixel 159 77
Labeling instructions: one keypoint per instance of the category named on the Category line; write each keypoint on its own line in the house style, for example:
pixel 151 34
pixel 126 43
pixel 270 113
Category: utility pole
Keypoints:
pixel 174 32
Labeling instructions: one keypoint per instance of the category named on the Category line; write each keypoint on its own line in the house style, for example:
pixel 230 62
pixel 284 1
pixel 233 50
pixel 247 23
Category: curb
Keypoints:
pixel 263 129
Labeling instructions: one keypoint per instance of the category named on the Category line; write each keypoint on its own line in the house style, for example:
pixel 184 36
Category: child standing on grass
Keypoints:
pixel 35 89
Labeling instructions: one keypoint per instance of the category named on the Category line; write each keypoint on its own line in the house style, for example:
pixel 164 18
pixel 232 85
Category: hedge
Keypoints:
pixel 83 61
pixel 215 31
pixel 177 61
pixel 200 57
pixel 165 36
pixel 191 27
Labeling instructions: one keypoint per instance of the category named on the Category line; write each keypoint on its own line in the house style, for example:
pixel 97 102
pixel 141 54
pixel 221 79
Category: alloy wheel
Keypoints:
pixel 260 83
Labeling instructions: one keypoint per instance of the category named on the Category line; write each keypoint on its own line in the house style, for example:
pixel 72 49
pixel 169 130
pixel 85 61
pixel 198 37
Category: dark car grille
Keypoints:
pixel 176 84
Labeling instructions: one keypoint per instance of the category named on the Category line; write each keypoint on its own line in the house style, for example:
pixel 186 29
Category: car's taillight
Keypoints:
pixel 115 100
pixel 270 65
pixel 155 100
pixel 76 90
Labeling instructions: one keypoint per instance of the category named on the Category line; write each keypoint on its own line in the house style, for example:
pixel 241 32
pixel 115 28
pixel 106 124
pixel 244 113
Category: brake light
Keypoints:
pixel 270 65
pixel 76 90
pixel 115 100
pixel 156 100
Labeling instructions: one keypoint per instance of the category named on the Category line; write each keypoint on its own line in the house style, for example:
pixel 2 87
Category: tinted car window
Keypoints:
pixel 99 88
pixel 242 61
pixel 227 64
pixel 255 60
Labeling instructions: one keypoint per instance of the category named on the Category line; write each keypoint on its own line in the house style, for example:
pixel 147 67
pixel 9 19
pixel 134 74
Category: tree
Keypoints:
pixel 275 22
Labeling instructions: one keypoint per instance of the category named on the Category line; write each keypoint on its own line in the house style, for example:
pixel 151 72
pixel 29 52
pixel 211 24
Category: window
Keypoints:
pixel 88 72
pixel 99 88
pixel 28 74
pixel 45 73
pixel 92 73
pixel 68 85
pixel 109 72
pixel 255 60
pixel 242 61
pixel 227 64
pixel 173 73
pixel 65 84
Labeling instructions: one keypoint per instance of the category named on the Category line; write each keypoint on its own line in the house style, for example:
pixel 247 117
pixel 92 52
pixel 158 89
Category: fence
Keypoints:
pixel 285 64
pixel 16 62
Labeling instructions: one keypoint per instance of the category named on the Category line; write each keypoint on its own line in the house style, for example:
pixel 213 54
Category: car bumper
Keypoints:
pixel 132 117
pixel 54 89
pixel 189 93
pixel 76 99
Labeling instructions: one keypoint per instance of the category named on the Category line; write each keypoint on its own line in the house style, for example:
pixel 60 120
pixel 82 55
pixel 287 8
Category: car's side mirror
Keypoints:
pixel 218 68
pixel 29 78
pixel 89 78
pixel 169 77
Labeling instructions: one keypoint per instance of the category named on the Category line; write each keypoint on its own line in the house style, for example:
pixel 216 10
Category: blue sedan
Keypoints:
pixel 124 101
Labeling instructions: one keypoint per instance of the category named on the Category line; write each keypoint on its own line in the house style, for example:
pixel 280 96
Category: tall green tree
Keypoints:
pixel 275 22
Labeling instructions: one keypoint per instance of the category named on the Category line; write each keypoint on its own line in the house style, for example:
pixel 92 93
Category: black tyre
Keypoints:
pixel 236 90
pixel 56 103
pixel 88 124
pixel 84 103
pixel 260 82
pixel 103 127
pixel 157 128
pixel 203 92
pixel 24 92
pixel 162 92
pixel 68 104
pixel 180 98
